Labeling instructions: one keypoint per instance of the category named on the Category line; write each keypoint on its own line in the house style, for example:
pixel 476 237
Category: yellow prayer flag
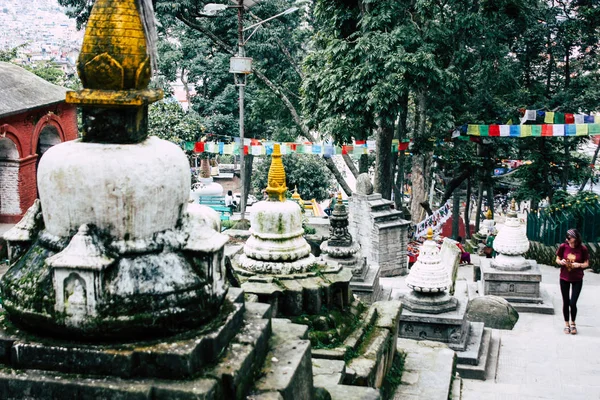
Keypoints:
pixel 549 118
pixel 473 130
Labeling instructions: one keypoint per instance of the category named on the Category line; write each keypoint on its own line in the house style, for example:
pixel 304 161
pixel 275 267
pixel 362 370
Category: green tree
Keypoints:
pixel 307 172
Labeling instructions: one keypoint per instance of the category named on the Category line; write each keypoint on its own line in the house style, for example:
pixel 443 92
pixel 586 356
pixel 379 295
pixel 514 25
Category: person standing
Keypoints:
pixel 573 257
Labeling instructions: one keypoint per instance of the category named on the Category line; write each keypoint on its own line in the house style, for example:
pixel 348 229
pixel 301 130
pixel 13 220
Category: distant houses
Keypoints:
pixel 33 118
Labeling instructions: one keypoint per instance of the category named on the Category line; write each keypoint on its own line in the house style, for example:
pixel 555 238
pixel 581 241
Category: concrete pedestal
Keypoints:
pixel 520 288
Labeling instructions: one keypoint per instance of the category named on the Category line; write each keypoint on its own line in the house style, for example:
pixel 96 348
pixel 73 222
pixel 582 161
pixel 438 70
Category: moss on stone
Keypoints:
pixel 393 378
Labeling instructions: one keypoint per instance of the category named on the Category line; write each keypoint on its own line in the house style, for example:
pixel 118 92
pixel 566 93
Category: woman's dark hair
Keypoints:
pixel 229 193
pixel 459 239
pixel 574 233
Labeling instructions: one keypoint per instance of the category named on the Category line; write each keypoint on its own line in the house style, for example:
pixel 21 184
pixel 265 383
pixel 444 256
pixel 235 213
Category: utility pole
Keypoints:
pixel 241 83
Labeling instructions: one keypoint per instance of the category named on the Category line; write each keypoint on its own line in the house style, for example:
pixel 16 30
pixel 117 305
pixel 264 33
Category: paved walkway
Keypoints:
pixel 537 360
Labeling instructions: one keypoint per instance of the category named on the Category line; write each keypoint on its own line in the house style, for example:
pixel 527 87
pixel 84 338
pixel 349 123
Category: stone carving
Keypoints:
pixel 364 185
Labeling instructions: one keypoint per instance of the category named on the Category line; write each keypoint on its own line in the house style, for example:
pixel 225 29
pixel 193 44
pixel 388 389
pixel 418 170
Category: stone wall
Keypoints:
pixel 9 188
pixel 380 231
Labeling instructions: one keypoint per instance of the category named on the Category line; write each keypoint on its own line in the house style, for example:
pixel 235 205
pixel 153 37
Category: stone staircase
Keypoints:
pixel 429 371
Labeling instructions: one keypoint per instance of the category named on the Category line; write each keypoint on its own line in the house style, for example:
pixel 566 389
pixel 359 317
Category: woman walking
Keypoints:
pixel 573 257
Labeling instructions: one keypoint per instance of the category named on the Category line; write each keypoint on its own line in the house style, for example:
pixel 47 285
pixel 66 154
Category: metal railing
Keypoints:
pixel 551 228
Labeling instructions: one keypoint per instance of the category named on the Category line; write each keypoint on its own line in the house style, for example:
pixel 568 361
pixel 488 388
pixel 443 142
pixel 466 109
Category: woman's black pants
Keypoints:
pixel 570 303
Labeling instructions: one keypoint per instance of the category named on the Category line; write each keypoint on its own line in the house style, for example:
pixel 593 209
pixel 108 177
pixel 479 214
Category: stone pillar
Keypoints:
pixel 379 229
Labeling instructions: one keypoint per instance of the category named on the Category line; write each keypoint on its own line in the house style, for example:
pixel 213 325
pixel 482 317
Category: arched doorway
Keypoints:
pixel 10 203
pixel 49 136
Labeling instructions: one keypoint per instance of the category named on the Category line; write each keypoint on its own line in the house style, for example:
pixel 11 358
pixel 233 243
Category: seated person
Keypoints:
pixel 465 257
pixel 329 208
pixel 229 202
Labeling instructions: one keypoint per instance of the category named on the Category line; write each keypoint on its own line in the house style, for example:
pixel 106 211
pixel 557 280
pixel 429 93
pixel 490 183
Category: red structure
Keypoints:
pixel 33 118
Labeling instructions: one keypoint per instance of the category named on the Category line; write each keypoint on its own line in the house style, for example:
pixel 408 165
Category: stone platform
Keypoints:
pixel 470 340
pixel 294 294
pixel 366 286
pixel 520 288
pixel 223 362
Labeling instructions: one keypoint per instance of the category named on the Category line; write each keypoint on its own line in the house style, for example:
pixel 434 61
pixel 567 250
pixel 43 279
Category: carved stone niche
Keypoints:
pixel 77 276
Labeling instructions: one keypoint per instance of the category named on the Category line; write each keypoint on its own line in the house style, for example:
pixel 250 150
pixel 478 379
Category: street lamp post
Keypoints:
pixel 240 66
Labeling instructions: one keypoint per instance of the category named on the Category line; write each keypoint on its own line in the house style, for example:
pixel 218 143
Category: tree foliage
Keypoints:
pixel 305 171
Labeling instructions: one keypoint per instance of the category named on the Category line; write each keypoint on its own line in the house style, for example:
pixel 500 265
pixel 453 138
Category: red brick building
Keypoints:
pixel 33 118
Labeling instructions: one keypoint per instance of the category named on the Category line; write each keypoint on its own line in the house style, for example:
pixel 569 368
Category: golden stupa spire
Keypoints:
pixel 339 198
pixel 489 214
pixel 115 67
pixel 276 182
pixel 429 234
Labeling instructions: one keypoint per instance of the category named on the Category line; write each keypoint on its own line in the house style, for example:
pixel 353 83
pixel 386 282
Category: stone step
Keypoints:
pixel 472 354
pixel 428 370
pixel 287 368
pixel 347 392
pixel 245 355
pixel 487 361
pixel 456 391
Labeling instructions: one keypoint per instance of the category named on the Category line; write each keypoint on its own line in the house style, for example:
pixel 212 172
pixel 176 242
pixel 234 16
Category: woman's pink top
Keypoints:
pixel 578 254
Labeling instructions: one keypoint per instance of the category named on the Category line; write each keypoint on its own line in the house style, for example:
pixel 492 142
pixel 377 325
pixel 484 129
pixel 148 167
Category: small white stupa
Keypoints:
pixel 511 244
pixel 488 225
pixel 429 280
pixel 205 186
pixel 276 244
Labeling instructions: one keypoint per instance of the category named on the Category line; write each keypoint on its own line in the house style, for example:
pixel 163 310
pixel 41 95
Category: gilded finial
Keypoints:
pixel 115 66
pixel 489 214
pixel 339 197
pixel 429 234
pixel 296 195
pixel 513 205
pixel 276 188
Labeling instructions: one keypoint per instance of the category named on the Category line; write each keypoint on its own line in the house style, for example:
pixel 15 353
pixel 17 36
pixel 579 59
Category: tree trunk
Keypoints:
pixel 593 163
pixel 383 157
pixel 455 215
pixel 420 165
pixel 350 163
pixel 363 164
pixel 419 187
pixel 399 162
pixel 338 176
pixel 565 171
pixel 467 210
pixel 479 202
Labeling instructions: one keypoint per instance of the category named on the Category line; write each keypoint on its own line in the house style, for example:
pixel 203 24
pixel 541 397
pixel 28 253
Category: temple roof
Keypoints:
pixel 21 90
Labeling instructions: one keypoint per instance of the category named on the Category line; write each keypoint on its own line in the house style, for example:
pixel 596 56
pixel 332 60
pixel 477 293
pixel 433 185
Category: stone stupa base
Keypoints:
pixel 520 288
pixel 472 342
pixel 365 278
pixel 223 361
pixel 429 303
pixel 295 294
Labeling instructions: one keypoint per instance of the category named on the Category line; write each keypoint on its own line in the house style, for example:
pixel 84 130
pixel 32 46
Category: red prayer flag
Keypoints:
pixel 199 147
pixel 245 150
pixel 547 130
pixel 254 142
pixel 402 146
pixel 346 149
pixel 494 130
pixel 360 142
pixel 569 119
